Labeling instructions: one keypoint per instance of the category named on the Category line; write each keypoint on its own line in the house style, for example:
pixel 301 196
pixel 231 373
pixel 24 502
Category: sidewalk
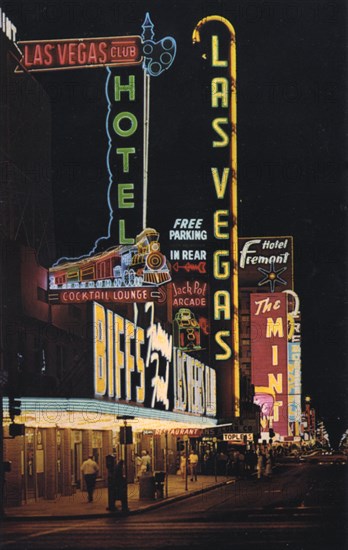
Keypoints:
pixel 76 506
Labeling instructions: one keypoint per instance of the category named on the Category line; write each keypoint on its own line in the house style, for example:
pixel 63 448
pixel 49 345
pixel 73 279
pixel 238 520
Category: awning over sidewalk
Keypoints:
pixel 94 414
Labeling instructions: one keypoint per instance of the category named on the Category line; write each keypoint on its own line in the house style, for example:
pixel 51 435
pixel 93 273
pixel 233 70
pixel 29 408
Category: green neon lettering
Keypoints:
pixel 119 88
pixel 133 124
pixel 125 193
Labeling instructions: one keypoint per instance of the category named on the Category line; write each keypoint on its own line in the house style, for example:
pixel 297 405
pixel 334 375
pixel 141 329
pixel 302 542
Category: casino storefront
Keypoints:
pixel 82 372
pixel 60 434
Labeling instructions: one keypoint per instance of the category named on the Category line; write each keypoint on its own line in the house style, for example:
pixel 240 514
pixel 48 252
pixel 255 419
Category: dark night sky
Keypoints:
pixel 290 60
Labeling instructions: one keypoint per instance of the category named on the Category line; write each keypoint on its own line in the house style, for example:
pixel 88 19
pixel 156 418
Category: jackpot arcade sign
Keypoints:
pixel 197 276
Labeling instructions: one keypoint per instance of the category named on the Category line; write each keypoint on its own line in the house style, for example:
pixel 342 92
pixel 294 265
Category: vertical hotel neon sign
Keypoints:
pixel 223 300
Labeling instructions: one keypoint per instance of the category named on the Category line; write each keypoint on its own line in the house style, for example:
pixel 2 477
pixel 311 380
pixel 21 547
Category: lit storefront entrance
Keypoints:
pixel 46 461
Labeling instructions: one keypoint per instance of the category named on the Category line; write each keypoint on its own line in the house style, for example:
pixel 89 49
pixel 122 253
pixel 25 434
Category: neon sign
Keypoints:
pixel 139 364
pixel 190 294
pixel 82 53
pixel 128 266
pixel 7 27
pixel 266 262
pixel 225 327
pixel 133 262
pixel 187 332
pixel 269 359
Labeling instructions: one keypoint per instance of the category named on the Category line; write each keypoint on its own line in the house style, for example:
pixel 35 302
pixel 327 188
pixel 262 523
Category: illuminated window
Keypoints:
pixel 87 273
pixel 73 275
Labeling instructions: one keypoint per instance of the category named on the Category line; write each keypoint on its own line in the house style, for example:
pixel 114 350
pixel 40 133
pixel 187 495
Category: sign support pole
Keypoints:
pixel 166 464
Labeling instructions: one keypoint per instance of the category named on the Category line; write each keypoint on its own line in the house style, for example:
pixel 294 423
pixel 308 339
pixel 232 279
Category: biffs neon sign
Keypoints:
pixel 139 364
pixel 223 108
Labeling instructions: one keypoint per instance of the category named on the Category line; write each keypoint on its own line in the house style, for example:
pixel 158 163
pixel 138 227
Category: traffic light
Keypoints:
pixel 14 407
pixel 126 435
pixel 16 429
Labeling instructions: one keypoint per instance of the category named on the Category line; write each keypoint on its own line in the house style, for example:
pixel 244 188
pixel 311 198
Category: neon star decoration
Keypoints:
pixel 158 56
pixel 272 277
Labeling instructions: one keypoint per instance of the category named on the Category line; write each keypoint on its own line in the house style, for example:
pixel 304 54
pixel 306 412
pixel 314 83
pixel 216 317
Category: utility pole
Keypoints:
pixel 166 463
pixel 125 443
pixel 186 461
pixel 126 463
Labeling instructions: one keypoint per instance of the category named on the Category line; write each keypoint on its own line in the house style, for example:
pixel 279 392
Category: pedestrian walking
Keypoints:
pixel 268 466
pixel 193 463
pixel 138 464
pixel 183 465
pixel 90 469
pixel 145 462
pixel 260 463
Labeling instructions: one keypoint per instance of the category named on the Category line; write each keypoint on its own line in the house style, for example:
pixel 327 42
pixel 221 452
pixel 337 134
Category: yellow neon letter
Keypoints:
pixel 221 133
pixel 220 184
pixel 99 349
pixel 222 305
pixel 129 358
pixel 224 345
pixel 218 223
pixel 217 94
pixel 111 378
pixel 119 355
pixel 215 61
pixel 221 268
pixel 274 328
pixel 140 339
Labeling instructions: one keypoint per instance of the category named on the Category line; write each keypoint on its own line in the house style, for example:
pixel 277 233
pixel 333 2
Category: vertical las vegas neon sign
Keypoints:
pixel 223 107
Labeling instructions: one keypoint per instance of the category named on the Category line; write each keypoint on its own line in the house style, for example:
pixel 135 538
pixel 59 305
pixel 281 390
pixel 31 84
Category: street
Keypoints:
pixel 301 507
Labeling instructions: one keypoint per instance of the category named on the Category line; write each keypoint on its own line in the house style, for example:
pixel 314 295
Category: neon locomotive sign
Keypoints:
pixel 134 263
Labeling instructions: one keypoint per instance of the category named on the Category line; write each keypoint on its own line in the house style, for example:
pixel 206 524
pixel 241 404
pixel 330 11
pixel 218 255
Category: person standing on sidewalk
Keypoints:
pixel 145 462
pixel 260 462
pixel 268 467
pixel 138 465
pixel 183 465
pixel 90 469
pixel 193 463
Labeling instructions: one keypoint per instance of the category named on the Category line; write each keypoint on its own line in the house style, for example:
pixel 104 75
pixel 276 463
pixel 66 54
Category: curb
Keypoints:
pixel 120 514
